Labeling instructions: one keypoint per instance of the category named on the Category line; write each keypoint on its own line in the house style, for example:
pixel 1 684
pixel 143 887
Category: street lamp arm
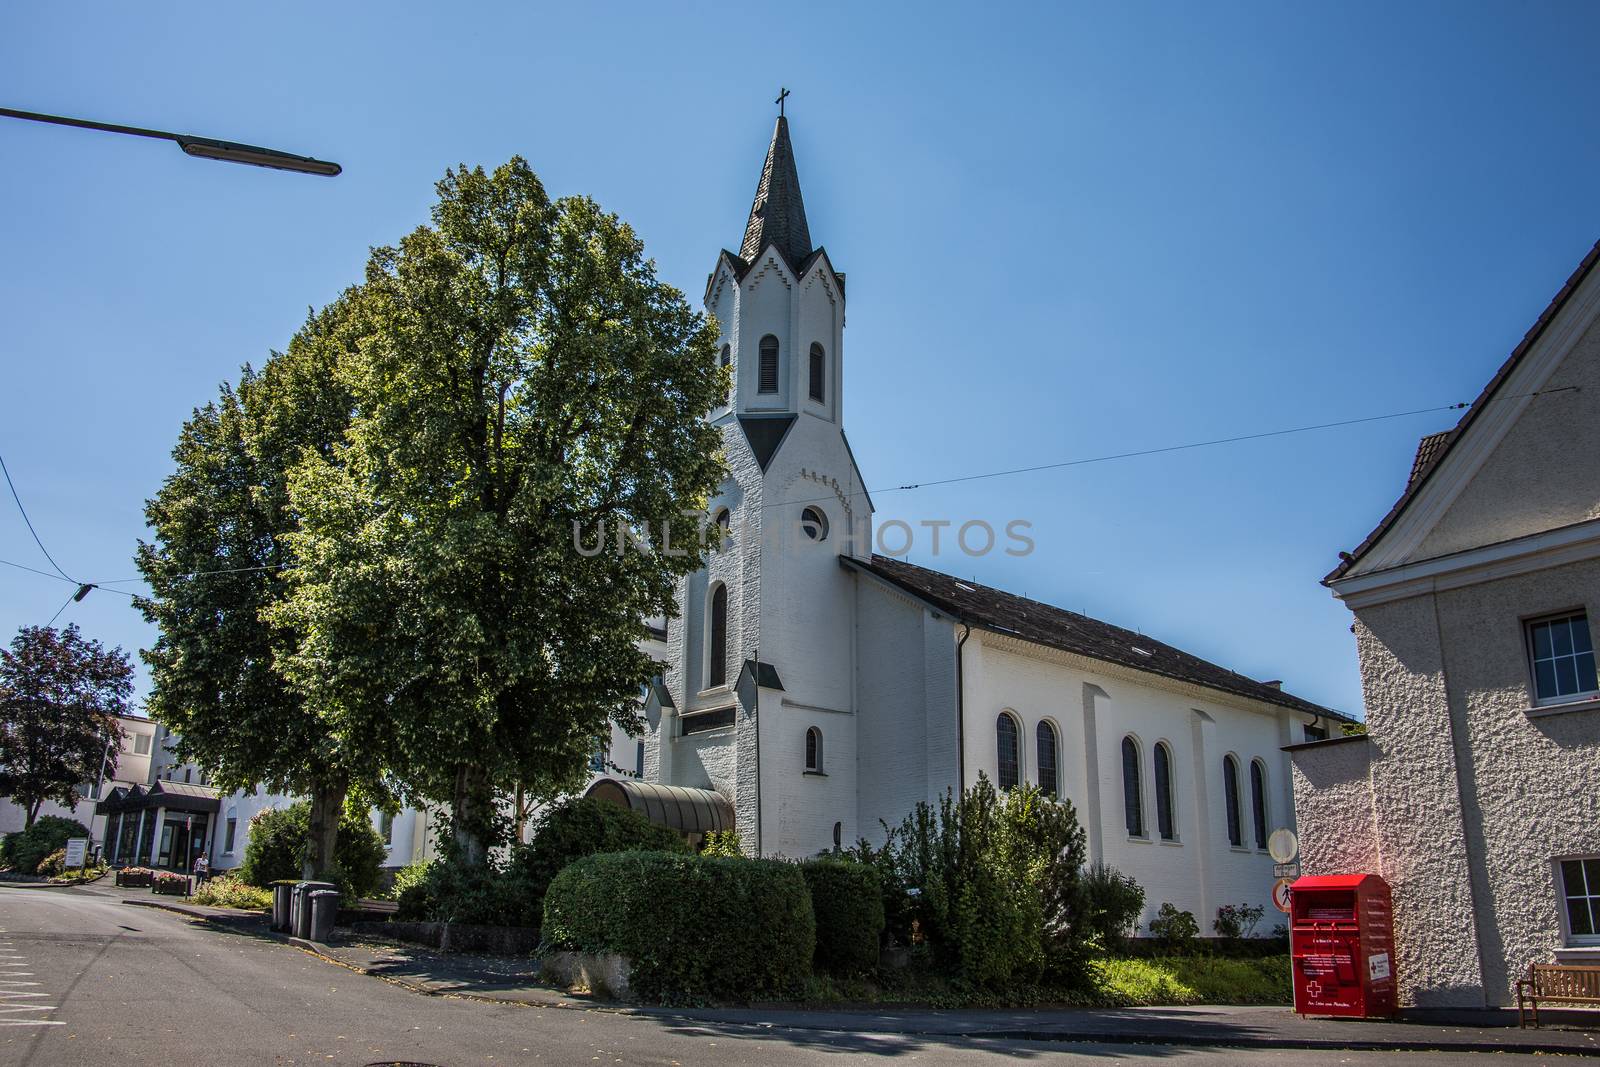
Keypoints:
pixel 201 147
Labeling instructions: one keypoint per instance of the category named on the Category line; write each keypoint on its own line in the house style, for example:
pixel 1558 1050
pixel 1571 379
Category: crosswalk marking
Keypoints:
pixel 9 972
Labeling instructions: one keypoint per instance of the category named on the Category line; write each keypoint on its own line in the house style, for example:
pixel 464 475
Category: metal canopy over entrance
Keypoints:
pixel 165 825
pixel 688 811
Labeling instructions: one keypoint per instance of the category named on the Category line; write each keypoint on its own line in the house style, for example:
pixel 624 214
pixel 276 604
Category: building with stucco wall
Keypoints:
pixel 1475 601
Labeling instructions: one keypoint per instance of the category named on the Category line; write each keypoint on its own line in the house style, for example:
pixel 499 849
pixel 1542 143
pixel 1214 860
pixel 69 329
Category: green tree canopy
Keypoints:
pixel 522 375
pixel 60 696
pixel 219 561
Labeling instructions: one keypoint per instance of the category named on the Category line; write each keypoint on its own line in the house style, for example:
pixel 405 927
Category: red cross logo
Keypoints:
pixel 1313 989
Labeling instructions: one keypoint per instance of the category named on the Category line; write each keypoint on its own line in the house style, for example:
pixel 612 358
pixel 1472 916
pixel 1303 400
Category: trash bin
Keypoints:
pixel 324 908
pixel 282 892
pixel 301 905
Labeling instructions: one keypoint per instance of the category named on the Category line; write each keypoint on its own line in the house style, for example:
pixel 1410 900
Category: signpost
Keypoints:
pixel 1285 850
pixel 77 851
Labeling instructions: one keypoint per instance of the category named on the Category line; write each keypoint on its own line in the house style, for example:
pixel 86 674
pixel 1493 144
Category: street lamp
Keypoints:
pixel 203 147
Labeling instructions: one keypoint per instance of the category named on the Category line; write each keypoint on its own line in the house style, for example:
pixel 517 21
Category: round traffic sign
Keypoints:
pixel 1280 895
pixel 1283 845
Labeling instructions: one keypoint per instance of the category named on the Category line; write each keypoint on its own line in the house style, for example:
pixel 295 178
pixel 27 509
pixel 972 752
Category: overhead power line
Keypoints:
pixel 29 522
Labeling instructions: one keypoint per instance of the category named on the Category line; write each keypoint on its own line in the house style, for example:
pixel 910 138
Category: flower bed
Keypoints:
pixel 168 884
pixel 134 877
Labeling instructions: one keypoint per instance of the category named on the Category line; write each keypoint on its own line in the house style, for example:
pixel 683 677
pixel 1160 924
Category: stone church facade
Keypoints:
pixel 819 689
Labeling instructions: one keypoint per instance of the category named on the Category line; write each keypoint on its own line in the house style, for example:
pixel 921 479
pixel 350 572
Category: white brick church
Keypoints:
pixel 813 688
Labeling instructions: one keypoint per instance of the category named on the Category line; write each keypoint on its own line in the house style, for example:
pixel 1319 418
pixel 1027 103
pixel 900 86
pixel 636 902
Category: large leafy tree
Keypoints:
pixel 219 560
pixel 522 374
pixel 60 696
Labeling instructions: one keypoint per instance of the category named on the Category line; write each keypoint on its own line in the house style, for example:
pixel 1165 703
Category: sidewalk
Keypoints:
pixel 516 981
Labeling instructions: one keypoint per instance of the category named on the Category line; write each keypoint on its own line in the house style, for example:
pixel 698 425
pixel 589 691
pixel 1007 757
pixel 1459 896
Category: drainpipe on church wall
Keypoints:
pixel 961 709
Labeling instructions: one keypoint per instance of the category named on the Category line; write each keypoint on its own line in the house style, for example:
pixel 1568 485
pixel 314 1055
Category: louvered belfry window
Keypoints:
pixel 819 362
pixel 768 382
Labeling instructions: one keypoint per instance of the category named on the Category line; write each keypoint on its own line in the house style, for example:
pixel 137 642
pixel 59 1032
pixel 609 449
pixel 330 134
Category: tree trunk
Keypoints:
pixel 472 815
pixel 33 813
pixel 327 804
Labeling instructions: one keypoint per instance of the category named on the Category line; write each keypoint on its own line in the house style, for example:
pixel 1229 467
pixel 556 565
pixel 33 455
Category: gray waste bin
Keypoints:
pixel 302 905
pixel 282 893
pixel 324 908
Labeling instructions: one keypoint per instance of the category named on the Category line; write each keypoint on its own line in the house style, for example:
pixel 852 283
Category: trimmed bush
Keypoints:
pixel 226 891
pixel 25 850
pixel 847 900
pixel 691 926
pixel 585 826
pixel 279 838
pixel 1175 928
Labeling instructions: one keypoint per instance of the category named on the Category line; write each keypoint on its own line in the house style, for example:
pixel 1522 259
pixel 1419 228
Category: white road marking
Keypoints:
pixel 9 971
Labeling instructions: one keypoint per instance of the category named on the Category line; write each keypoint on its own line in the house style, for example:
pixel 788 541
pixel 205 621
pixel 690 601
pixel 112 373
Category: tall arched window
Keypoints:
pixel 768 377
pixel 819 363
pixel 1258 801
pixel 1132 789
pixel 1005 740
pixel 724 524
pixel 814 750
pixel 725 359
pixel 1046 739
pixel 1166 826
pixel 717 674
pixel 1230 787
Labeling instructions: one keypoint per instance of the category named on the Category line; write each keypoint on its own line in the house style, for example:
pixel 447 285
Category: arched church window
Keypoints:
pixel 1165 824
pixel 1258 801
pixel 724 525
pixel 1132 789
pixel 725 359
pixel 1046 738
pixel 814 750
pixel 838 835
pixel 819 362
pixel 1008 757
pixel 814 524
pixel 768 377
pixel 717 674
pixel 1230 789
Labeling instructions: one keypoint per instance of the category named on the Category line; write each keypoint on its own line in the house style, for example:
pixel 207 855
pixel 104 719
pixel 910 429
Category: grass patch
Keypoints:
pixel 1193 980
pixel 1112 982
pixel 225 891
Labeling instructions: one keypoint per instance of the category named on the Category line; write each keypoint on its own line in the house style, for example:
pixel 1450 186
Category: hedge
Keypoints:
pixel 25 850
pixel 847 900
pixel 690 926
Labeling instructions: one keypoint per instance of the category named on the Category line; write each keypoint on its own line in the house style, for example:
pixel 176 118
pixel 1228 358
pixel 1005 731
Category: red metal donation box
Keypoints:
pixel 1341 942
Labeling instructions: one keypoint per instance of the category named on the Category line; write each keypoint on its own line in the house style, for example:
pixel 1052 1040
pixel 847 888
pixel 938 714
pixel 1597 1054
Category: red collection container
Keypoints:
pixel 1341 942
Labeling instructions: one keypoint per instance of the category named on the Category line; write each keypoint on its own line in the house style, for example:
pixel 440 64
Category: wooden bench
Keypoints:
pixel 1556 983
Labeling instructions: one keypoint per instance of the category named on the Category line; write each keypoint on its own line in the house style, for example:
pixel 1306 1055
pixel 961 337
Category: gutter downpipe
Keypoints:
pixel 756 712
pixel 961 709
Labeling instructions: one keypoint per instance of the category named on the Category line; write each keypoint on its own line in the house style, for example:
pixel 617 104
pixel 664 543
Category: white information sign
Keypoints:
pixel 77 851
pixel 1378 966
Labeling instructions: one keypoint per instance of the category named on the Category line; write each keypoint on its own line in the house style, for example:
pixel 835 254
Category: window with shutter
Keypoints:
pixel 768 376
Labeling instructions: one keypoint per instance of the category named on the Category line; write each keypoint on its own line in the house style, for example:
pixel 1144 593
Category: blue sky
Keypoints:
pixel 1070 230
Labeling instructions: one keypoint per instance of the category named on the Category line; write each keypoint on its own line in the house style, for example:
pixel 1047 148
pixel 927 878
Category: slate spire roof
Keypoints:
pixel 778 215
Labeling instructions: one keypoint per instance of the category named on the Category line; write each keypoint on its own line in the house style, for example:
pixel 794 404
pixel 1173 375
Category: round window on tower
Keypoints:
pixel 814 524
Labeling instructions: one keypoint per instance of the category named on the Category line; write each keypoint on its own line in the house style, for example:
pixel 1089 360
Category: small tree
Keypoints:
pixel 1111 905
pixel 1175 928
pixel 60 696
pixel 279 839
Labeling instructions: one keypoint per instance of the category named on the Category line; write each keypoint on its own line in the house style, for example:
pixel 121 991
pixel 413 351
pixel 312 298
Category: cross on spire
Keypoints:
pixel 783 94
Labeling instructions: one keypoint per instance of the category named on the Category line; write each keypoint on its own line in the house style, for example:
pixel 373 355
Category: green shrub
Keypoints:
pixel 484 896
pixel 53 864
pixel 409 875
pixel 1174 928
pixel 847 901
pixel 1110 907
pixel 1194 980
pixel 584 826
pixel 1238 920
pixel 691 926
pixel 75 875
pixel 226 891
pixel 25 850
pixel 992 881
pixel 280 837
pixel 721 843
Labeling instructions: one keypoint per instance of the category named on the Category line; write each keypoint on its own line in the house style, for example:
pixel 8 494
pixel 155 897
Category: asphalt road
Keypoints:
pixel 85 979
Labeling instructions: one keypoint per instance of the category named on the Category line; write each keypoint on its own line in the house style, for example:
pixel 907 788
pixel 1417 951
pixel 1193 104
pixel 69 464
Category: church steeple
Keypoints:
pixel 778 215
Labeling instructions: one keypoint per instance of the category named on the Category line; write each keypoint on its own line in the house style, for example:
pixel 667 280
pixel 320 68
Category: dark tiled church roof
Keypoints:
pixel 778 215
pixel 1428 450
pixel 1006 613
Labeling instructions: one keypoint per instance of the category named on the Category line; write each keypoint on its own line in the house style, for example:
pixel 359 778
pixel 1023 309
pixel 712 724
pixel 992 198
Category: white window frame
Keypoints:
pixel 1592 892
pixel 1533 661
